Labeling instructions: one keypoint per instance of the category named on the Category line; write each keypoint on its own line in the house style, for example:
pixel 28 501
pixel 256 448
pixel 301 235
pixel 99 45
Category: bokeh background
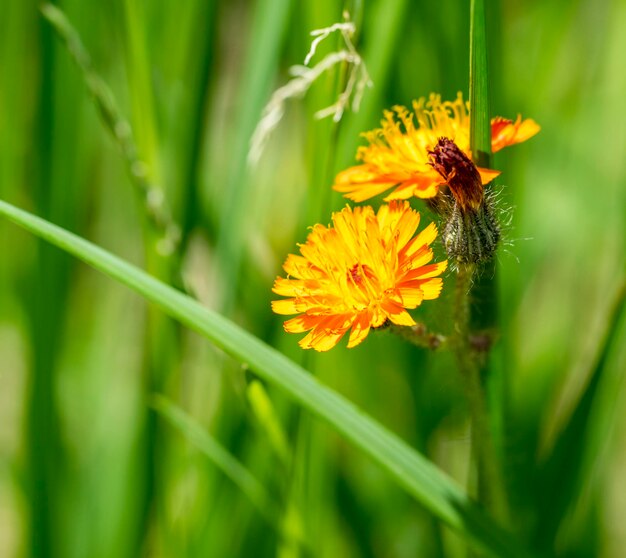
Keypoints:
pixel 88 470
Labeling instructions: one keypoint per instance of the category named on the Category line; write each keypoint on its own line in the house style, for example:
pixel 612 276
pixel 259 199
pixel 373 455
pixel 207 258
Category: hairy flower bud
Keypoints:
pixel 471 232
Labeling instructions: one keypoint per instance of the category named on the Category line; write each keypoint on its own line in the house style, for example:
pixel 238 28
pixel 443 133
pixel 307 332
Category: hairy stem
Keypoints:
pixel 419 336
pixel 490 487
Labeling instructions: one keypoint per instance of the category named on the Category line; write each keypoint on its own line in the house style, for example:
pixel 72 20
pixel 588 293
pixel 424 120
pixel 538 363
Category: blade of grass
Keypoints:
pixel 200 61
pixel 480 122
pixel 158 214
pixel 160 358
pixel 416 474
pixel 486 393
pixel 221 457
pixel 268 28
pixel 383 29
pixel 562 474
pixel 323 136
pixel 54 196
pixel 268 420
pixel 42 418
pixel 140 85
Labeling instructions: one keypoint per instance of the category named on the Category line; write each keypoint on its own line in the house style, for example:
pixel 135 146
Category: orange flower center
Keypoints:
pixel 355 274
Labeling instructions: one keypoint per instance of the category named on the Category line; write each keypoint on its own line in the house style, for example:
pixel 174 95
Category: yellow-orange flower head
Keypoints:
pixel 355 275
pixel 397 154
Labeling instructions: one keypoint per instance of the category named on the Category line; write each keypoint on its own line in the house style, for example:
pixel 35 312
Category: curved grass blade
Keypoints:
pixel 563 474
pixel 266 416
pixel 439 494
pixel 236 471
pixel 221 457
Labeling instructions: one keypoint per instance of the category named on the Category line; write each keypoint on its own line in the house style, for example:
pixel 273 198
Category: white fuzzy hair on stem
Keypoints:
pixel 304 76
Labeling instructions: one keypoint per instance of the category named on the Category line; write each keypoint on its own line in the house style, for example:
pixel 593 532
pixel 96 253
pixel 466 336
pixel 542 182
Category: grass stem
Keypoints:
pixel 476 291
pixel 490 487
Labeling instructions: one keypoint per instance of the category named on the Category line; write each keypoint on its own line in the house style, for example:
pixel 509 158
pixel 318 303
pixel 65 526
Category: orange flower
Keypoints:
pixel 397 154
pixel 355 275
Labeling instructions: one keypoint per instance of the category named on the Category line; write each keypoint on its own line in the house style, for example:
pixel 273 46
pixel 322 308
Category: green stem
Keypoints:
pixel 160 355
pixel 419 336
pixel 46 296
pixel 156 210
pixel 480 122
pixel 490 487
pixel 477 318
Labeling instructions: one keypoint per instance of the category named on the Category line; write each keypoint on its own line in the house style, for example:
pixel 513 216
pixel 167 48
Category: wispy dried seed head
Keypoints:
pixel 460 174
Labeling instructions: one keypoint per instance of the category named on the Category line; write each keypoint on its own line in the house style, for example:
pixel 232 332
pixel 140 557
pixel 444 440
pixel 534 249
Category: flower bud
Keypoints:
pixel 471 232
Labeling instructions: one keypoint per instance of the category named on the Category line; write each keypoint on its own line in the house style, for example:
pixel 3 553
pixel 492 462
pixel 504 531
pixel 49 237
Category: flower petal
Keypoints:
pixel 325 335
pixel 301 268
pixel 432 288
pixel 396 313
pixel 411 296
pixel 487 175
pixel 297 287
pixel 423 239
pixel 360 329
pixel 302 323
pixel 426 271
pixel 286 307
pixel 505 132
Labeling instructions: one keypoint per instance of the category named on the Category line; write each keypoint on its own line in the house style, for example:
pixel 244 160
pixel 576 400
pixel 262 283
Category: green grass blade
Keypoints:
pixel 268 420
pixel 221 457
pixel 141 91
pixel 562 475
pixel 480 122
pixel 55 195
pixel 161 350
pixel 268 29
pixel 384 29
pixel 157 213
pixel 484 290
pixel 416 474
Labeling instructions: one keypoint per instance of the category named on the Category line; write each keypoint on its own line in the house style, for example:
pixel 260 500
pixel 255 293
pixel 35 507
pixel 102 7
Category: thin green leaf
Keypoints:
pixel 562 474
pixel 141 90
pixel 384 29
pixel 117 125
pixel 221 457
pixel 267 418
pixel 416 474
pixel 480 120
pixel 268 28
pixel 484 293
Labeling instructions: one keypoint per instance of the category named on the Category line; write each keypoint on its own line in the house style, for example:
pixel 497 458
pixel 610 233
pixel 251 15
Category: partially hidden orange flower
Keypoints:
pixel 397 154
pixel 355 275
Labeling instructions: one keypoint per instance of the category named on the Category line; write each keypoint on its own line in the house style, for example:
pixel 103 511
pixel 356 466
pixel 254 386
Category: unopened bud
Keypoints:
pixel 460 174
pixel 471 232
pixel 471 236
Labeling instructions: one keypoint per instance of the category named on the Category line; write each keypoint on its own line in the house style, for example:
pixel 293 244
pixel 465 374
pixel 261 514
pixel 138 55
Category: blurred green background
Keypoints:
pixel 87 469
